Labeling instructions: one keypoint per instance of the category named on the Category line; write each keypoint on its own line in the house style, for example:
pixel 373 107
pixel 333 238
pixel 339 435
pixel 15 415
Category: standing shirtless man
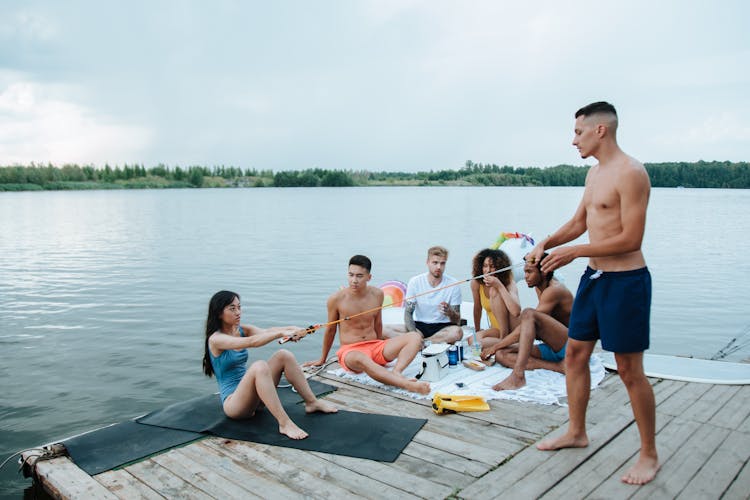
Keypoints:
pixel 614 296
pixel 363 348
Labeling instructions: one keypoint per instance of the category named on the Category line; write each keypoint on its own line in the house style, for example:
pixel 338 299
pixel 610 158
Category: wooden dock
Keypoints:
pixel 703 441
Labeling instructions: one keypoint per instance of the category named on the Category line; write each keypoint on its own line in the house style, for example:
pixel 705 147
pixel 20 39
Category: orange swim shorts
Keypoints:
pixel 373 348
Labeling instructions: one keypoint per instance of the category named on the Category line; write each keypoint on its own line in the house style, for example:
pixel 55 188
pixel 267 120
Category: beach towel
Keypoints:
pixel 542 386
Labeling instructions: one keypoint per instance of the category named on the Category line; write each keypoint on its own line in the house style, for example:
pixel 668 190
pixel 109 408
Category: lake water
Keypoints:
pixel 103 294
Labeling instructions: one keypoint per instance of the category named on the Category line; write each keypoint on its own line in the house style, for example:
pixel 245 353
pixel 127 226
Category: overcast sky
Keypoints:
pixel 376 85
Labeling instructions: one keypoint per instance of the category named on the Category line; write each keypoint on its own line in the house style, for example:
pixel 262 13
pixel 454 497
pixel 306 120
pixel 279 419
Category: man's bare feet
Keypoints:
pixel 564 441
pixel 291 430
pixel 321 406
pixel 642 472
pixel 418 387
pixel 511 382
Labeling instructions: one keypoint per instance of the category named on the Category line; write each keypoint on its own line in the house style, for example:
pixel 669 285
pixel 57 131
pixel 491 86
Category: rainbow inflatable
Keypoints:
pixel 393 293
pixel 516 246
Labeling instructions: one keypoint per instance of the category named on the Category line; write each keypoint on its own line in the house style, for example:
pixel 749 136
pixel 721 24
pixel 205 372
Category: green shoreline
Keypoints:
pixel 701 174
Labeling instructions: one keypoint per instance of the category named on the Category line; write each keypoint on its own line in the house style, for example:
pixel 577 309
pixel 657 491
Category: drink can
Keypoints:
pixel 452 356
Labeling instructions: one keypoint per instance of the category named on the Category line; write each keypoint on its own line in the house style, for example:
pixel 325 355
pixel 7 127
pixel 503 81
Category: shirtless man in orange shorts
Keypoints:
pixel 363 348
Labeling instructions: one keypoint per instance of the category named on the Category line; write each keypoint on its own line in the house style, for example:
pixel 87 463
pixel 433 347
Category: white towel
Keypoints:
pixel 542 386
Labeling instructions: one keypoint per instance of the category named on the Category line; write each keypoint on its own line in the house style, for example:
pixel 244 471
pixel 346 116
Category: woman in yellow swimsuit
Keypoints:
pixel 497 294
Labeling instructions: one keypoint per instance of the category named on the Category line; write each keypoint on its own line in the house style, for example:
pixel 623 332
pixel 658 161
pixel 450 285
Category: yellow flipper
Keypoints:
pixel 449 403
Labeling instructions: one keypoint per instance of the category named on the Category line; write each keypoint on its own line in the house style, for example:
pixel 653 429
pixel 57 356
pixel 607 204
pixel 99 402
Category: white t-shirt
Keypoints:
pixel 427 310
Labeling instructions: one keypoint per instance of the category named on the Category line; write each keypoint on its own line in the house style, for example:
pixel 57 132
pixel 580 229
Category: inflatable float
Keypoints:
pixel 704 371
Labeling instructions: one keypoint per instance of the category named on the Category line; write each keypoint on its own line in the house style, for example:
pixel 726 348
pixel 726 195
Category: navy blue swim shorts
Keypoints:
pixel 614 307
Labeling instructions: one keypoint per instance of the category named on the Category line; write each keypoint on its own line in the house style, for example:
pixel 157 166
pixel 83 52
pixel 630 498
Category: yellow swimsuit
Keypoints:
pixel 485 301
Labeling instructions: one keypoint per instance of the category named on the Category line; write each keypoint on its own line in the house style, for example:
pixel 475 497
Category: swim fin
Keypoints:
pixel 449 403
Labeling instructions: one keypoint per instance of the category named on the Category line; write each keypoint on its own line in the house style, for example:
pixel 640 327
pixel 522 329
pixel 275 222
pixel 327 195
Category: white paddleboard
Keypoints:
pixel 688 369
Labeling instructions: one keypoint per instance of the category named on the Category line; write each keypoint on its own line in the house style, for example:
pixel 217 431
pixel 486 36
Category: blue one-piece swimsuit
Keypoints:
pixel 229 367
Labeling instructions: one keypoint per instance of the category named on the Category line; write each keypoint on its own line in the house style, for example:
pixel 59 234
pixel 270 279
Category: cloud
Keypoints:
pixel 38 124
pixel 372 84
pixel 726 126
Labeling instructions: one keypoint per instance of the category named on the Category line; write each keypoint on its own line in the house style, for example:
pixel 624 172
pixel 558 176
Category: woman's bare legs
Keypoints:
pixel 258 385
pixel 284 362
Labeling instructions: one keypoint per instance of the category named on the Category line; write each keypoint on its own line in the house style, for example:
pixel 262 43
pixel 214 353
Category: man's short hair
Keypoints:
pixel 545 276
pixel 437 251
pixel 361 261
pixel 597 107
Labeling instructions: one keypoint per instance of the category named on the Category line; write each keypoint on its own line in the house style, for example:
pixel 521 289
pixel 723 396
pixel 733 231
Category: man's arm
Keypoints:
pixel 454 314
pixel 477 304
pixel 330 334
pixel 378 323
pixel 409 307
pixel 569 231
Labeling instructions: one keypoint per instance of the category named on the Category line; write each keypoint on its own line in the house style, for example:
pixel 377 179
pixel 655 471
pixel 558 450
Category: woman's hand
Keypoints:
pixel 492 282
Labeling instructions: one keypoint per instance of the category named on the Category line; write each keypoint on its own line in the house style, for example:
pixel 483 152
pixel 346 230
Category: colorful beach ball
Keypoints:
pixel 393 293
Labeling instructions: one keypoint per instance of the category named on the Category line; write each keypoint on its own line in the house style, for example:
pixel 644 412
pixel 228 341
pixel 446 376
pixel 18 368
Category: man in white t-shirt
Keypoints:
pixel 435 315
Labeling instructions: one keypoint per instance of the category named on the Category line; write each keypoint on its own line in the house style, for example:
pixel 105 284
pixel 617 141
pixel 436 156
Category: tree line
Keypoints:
pixel 699 174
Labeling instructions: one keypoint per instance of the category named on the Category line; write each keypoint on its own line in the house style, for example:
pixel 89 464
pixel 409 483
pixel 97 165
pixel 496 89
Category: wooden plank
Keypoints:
pixel 745 425
pixel 669 439
pixel 447 460
pixel 300 481
pixel 187 467
pixel 563 462
pixel 735 411
pixel 472 431
pixel 125 486
pixel 530 418
pixel 710 402
pixel 393 475
pixel 238 472
pixel 718 473
pixel 740 486
pixel 61 478
pixel 458 445
pixel 544 468
pixel 601 466
pixel 665 388
pixel 432 472
pixel 356 483
pixel 469 455
pixel 163 481
pixel 616 401
pixel 678 469
pixel 678 402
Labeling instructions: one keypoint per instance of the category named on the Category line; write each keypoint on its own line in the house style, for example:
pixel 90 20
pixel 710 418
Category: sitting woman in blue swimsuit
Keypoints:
pixel 243 389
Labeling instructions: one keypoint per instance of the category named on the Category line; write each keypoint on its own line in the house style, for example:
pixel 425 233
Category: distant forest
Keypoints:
pixel 699 174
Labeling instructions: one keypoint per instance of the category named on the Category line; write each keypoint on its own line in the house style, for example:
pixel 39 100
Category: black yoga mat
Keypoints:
pixel 104 449
pixel 353 434
pixel 361 435
pixel 110 447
